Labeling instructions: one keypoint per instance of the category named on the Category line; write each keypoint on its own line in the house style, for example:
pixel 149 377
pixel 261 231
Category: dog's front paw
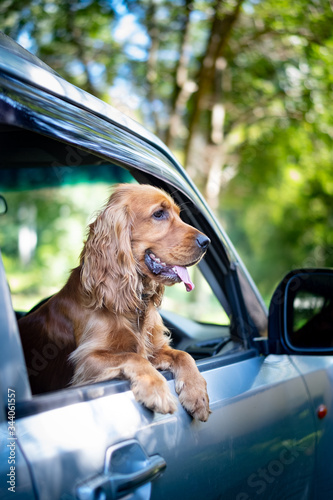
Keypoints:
pixel 154 393
pixel 193 396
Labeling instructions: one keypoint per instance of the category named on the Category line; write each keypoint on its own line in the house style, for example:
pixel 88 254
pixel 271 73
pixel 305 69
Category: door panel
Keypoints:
pixel 318 375
pixel 15 480
pixel 258 440
pixel 67 446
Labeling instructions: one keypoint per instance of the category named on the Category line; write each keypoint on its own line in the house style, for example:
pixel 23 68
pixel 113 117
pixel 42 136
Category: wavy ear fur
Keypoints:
pixel 109 274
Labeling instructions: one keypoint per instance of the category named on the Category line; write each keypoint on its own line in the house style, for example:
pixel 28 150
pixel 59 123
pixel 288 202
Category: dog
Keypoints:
pixel 104 323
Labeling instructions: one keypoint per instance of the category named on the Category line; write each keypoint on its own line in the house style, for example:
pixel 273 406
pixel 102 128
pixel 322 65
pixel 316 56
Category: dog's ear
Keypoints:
pixel 109 274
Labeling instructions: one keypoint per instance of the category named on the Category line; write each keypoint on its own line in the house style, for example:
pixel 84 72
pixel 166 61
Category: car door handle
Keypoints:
pixel 127 468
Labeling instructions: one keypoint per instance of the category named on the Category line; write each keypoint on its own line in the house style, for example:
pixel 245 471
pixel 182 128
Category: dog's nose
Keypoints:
pixel 203 241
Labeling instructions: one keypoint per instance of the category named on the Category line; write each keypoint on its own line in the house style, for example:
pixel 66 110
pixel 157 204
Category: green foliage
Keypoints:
pixel 241 90
pixel 58 218
pixel 73 37
pixel 286 186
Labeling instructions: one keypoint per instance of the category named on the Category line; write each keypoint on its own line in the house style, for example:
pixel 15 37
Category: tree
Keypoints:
pixel 72 37
pixel 239 89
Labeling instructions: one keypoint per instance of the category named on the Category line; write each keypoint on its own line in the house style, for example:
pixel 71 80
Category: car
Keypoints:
pixel 269 373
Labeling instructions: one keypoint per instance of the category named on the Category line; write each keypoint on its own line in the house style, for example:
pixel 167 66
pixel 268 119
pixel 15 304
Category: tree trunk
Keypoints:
pixel 78 41
pixel 206 95
pixel 152 63
pixel 182 86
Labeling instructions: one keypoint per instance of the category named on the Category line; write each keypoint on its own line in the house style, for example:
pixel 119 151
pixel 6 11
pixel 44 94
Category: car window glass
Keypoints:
pixel 53 192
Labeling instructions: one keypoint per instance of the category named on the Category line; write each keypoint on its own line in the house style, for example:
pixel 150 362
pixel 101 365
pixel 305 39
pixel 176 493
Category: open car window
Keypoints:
pixel 53 191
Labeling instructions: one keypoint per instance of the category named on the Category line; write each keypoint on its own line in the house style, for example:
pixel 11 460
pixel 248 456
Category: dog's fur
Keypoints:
pixel 104 322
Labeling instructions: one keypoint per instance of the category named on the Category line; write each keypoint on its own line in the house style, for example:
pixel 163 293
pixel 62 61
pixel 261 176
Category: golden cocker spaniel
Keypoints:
pixel 104 322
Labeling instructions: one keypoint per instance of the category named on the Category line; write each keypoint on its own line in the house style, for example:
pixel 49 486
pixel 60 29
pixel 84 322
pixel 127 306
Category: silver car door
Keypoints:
pixel 318 375
pixel 259 439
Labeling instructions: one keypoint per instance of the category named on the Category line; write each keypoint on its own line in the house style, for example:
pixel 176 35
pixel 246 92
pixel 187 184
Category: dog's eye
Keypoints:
pixel 160 214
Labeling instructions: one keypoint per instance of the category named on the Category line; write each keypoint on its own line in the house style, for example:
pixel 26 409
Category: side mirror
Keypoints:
pixel 301 313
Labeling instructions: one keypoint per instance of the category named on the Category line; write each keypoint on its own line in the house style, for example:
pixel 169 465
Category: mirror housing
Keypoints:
pixel 301 313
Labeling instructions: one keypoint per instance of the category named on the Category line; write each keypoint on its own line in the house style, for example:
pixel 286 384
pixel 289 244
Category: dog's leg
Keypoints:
pixel 190 384
pixel 148 385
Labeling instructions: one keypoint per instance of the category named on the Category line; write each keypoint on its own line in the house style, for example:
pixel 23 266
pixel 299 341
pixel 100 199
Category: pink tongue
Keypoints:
pixel 185 277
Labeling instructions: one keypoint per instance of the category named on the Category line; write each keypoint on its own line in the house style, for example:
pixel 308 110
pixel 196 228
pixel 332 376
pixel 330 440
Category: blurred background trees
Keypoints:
pixel 240 90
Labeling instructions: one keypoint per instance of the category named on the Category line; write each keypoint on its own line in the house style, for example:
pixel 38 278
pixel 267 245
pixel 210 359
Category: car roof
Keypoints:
pixel 15 49
pixel 21 64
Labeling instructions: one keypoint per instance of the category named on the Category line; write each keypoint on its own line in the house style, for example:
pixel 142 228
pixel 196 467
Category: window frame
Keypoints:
pixel 33 109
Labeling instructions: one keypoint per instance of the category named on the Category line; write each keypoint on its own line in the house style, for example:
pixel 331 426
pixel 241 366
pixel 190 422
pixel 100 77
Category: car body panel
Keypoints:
pixel 317 372
pixel 15 473
pixel 13 378
pixel 13 370
pixel 261 418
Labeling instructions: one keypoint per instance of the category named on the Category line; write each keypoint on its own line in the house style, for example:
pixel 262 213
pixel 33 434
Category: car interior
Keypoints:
pixel 50 192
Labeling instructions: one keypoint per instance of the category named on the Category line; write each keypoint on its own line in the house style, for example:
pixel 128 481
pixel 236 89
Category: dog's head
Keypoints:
pixel 140 233
pixel 163 245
